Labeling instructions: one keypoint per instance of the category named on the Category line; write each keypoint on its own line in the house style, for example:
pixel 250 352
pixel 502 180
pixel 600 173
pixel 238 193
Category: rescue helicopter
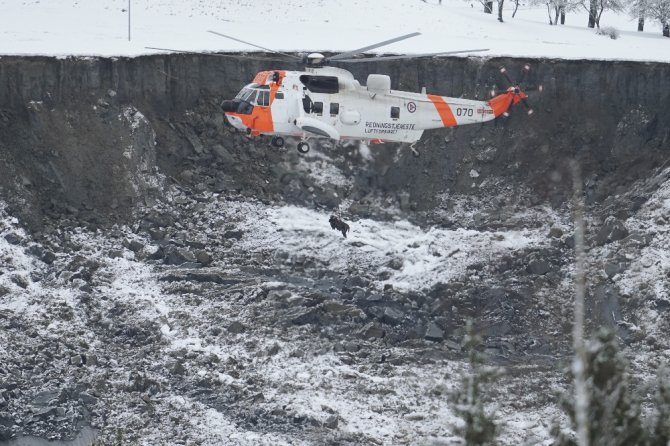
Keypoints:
pixel 324 101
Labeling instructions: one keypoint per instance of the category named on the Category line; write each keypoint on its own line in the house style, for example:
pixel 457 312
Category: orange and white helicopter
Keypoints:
pixel 327 102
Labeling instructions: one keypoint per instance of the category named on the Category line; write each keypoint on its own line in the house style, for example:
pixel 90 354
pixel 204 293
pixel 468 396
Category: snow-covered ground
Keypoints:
pixel 77 27
pixel 421 257
pixel 382 404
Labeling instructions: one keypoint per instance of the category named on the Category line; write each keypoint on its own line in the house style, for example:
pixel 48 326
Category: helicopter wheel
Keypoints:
pixel 303 147
pixel 278 142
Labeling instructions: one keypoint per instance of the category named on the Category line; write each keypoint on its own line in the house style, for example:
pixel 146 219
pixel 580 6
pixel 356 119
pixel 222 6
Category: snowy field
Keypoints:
pixel 100 27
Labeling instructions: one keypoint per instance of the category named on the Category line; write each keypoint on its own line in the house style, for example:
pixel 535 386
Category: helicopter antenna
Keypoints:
pixel 372 47
pixel 254 45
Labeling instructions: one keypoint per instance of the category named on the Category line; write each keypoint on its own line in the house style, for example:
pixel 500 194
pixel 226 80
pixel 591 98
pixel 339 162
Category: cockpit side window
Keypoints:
pixel 246 93
pixel 264 98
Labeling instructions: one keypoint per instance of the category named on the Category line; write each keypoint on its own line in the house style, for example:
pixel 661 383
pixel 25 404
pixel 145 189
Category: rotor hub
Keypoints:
pixel 315 59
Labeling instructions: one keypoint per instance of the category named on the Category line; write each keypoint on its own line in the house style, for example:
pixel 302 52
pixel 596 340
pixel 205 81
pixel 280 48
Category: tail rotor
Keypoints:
pixel 518 89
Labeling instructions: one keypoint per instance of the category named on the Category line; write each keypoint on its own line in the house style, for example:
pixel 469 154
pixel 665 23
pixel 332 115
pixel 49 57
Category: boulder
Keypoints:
pixel 177 256
pixel 237 235
pixel 614 268
pixel 538 267
pixel 391 316
pixel 331 422
pixel 372 331
pixel 434 333
pixel 13 238
pixel 612 230
pixel 236 328
pixel 555 232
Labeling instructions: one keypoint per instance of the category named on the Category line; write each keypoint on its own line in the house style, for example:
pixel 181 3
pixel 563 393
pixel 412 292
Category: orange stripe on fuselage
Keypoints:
pixel 444 110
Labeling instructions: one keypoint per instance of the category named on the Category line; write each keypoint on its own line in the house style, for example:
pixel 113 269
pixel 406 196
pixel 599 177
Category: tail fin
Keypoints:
pixel 501 103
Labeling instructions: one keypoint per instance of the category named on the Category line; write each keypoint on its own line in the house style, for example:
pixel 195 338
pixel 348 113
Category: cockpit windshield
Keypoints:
pixel 246 92
pixel 255 94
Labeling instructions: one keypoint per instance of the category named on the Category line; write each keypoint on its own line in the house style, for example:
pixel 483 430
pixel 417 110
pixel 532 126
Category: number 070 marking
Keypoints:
pixel 464 112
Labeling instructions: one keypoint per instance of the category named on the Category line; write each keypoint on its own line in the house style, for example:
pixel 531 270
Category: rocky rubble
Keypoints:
pixel 188 328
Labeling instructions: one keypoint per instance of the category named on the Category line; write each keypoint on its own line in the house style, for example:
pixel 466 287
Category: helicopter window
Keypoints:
pixel 279 95
pixel 334 108
pixel 307 104
pixel 244 108
pixel 395 112
pixel 251 97
pixel 318 108
pixel 239 106
pixel 320 84
pixel 264 98
pixel 246 92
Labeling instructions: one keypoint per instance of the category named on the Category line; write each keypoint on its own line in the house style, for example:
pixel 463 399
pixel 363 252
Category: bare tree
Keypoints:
pixel 660 10
pixel 556 9
pixel 592 10
pixel 560 7
pixel 638 9
pixel 595 8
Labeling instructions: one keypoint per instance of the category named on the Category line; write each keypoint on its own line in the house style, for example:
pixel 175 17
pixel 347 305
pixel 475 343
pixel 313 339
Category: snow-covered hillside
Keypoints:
pixel 67 27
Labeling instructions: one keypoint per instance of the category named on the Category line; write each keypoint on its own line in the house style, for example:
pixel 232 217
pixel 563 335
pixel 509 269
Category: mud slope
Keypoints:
pixel 66 125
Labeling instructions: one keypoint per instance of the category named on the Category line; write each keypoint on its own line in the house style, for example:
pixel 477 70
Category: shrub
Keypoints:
pixel 610 31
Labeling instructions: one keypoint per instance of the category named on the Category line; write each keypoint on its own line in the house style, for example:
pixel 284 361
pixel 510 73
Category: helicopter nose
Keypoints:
pixel 236 122
pixel 229 106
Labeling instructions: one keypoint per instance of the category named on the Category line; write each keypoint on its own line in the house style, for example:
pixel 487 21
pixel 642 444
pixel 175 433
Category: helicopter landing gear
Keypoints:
pixel 303 147
pixel 277 142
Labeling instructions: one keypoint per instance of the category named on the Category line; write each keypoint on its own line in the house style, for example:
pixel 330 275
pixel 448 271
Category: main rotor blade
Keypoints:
pixel 408 56
pixel 254 45
pixel 231 56
pixel 528 107
pixel 372 47
pixel 503 71
pixel 524 72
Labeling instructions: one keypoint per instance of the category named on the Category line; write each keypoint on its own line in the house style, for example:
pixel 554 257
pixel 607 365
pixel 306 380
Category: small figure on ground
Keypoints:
pixel 339 225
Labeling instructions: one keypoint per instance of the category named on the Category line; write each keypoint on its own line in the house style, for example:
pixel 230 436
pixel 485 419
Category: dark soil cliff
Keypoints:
pixel 66 125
